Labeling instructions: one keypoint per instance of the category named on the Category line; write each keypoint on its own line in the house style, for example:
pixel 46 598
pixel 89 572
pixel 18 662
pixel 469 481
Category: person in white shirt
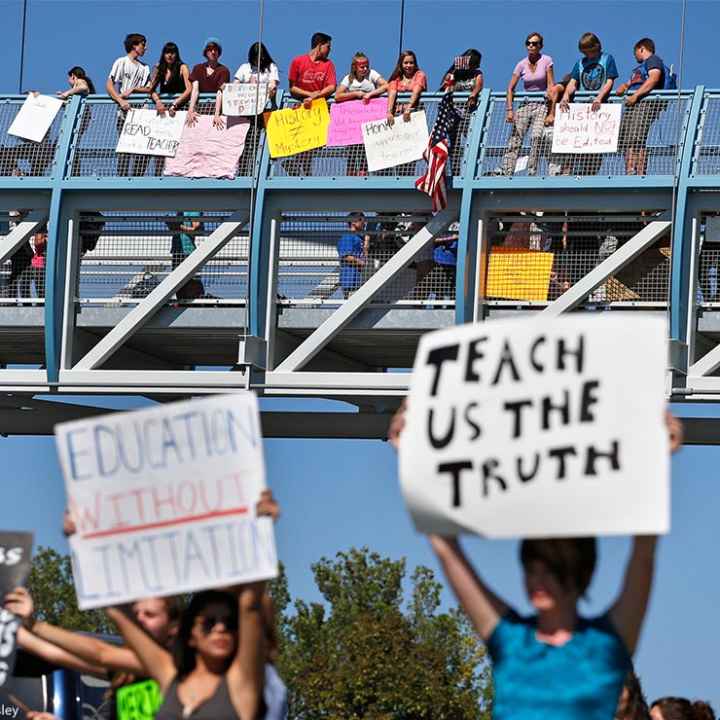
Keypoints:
pixel 361 83
pixel 129 75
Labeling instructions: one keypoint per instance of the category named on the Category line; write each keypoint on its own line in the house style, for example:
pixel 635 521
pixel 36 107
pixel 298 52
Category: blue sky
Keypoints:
pixel 337 494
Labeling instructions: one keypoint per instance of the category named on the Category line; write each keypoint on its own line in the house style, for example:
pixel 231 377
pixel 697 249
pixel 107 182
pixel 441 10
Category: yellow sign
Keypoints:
pixel 519 274
pixel 296 130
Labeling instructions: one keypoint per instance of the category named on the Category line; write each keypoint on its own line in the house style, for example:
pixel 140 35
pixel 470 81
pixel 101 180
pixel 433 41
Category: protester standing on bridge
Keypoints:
pixel 405 77
pixel 554 664
pixel 80 84
pixel 312 76
pixel 536 72
pixel 465 75
pixel 207 77
pixel 170 77
pixel 362 82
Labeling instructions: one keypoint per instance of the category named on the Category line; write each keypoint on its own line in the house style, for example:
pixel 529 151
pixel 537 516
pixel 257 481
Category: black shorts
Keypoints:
pixel 637 122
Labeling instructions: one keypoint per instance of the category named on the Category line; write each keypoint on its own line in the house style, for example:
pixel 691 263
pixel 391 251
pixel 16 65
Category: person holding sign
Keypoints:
pixel 536 72
pixel 555 663
pixel 170 77
pixel 362 82
pixel 207 77
pixel 406 77
pixel 217 672
pixel 80 84
pixel 312 76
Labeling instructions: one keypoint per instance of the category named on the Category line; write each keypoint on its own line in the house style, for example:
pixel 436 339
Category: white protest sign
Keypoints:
pixel 164 500
pixel 147 133
pixel 240 99
pixel 387 146
pixel 539 428
pixel 581 130
pixel 35 117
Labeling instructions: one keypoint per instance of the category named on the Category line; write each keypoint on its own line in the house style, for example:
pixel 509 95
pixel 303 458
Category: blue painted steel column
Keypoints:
pixel 681 241
pixel 56 260
pixel 465 281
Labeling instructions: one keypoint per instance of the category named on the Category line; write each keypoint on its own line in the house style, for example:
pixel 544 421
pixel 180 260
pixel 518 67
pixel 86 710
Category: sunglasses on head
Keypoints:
pixel 210 621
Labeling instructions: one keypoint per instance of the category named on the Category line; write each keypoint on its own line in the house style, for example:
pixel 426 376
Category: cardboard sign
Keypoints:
pixel 35 117
pixel 164 500
pixel 580 130
pixel 207 152
pixel 387 146
pixel 347 118
pixel 517 274
pixel 15 559
pixel 240 99
pixel 138 701
pixel 527 428
pixel 296 130
pixel 147 133
pixel 9 625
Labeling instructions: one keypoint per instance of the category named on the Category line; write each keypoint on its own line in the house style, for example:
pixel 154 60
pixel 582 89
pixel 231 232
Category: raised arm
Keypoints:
pixel 56 655
pixel 247 672
pixel 157 662
pixel 481 605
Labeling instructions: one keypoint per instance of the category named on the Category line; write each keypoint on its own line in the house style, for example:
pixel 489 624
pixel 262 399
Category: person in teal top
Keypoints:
pixel 555 663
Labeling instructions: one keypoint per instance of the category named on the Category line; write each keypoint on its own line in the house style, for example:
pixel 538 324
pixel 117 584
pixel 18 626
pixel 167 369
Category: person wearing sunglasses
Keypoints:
pixel 217 670
pixel 536 72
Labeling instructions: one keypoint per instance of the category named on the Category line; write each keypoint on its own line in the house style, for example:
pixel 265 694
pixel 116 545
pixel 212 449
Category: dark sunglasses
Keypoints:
pixel 210 621
pixel 532 42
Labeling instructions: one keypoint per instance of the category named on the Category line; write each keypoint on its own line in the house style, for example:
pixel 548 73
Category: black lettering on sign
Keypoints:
pixel 476 429
pixel 563 408
pixel 560 453
pixel 533 358
pixel 488 473
pixel 437 357
pixel 474 353
pixel 593 455
pixel 506 360
pixel 516 408
pixel 440 442
pixel 578 353
pixel 588 400
pixel 455 468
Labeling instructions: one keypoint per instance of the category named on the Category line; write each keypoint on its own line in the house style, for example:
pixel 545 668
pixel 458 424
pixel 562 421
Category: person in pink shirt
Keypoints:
pixel 406 77
pixel 312 76
pixel 536 72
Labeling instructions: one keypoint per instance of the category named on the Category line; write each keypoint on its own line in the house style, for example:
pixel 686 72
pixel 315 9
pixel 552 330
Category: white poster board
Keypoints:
pixel 164 500
pixel 35 117
pixel 387 146
pixel 581 130
pixel 240 99
pixel 539 428
pixel 147 133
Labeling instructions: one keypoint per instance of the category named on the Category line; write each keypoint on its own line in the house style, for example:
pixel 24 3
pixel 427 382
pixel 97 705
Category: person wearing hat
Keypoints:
pixel 207 77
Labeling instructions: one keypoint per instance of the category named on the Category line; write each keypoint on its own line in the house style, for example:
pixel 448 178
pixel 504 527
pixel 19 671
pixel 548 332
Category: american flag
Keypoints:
pixel 437 152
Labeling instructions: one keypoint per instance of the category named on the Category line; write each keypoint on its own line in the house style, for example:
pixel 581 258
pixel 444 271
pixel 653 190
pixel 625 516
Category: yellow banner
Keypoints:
pixel 519 274
pixel 295 130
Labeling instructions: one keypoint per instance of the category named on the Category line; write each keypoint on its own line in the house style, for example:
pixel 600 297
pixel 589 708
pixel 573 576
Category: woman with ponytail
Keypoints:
pixel 80 83
pixel 677 708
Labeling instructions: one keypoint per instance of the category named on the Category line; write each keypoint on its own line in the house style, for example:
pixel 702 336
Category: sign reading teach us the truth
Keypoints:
pixel 539 428
pixel 164 500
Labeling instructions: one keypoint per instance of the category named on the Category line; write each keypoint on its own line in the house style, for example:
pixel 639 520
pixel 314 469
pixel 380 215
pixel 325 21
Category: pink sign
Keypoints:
pixel 347 118
pixel 206 152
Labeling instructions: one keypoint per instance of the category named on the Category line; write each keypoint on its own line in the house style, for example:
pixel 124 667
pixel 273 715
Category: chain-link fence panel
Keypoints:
pixel 25 158
pixel 98 129
pixel 535 257
pixel 325 257
pixel 647 144
pixel 706 158
pixel 124 256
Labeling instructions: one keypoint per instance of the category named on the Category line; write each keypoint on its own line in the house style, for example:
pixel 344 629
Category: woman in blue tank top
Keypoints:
pixel 554 664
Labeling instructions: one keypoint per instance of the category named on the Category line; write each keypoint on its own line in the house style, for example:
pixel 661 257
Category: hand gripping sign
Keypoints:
pixel 164 500
pixel 539 428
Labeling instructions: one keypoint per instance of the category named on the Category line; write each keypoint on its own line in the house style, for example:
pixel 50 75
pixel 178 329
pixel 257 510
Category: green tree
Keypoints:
pixel 53 590
pixel 368 654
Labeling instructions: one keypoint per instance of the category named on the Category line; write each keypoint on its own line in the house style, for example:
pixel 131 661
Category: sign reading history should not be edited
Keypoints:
pixel 243 99
pixel 147 133
pixel 388 145
pixel 164 500
pixel 581 130
pixel 35 117
pixel 539 428
pixel 295 130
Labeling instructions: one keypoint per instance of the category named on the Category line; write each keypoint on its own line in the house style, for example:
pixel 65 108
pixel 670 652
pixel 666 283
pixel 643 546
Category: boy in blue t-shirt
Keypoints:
pixel 638 117
pixel 352 250
pixel 594 72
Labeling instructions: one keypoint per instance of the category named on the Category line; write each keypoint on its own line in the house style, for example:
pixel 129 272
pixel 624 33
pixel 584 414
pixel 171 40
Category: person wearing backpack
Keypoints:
pixel 640 110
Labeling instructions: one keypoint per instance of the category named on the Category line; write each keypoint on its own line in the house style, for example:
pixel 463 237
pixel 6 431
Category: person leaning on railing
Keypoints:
pixel 536 72
pixel 640 110
pixel 207 77
pixel 406 77
pixel 465 75
pixel 170 76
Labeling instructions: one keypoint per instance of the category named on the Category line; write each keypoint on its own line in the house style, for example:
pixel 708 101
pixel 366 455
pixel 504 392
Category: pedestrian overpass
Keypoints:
pixel 579 236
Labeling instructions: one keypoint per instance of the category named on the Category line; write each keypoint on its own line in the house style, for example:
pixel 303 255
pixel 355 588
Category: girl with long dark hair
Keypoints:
pixel 465 75
pixel 170 76
pixel 406 77
pixel 80 83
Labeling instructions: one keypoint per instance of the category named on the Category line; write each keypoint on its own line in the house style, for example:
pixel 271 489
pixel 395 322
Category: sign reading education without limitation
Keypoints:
pixel 147 133
pixel 583 130
pixel 164 500
pixel 539 428
pixel 388 145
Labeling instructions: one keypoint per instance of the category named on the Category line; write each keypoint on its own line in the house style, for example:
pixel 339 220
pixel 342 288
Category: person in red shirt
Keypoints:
pixel 312 76
pixel 207 77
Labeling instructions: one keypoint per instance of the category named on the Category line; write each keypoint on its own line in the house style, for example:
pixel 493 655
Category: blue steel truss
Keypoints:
pixel 272 229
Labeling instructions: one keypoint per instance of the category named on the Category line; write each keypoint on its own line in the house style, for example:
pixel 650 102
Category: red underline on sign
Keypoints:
pixel 166 523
